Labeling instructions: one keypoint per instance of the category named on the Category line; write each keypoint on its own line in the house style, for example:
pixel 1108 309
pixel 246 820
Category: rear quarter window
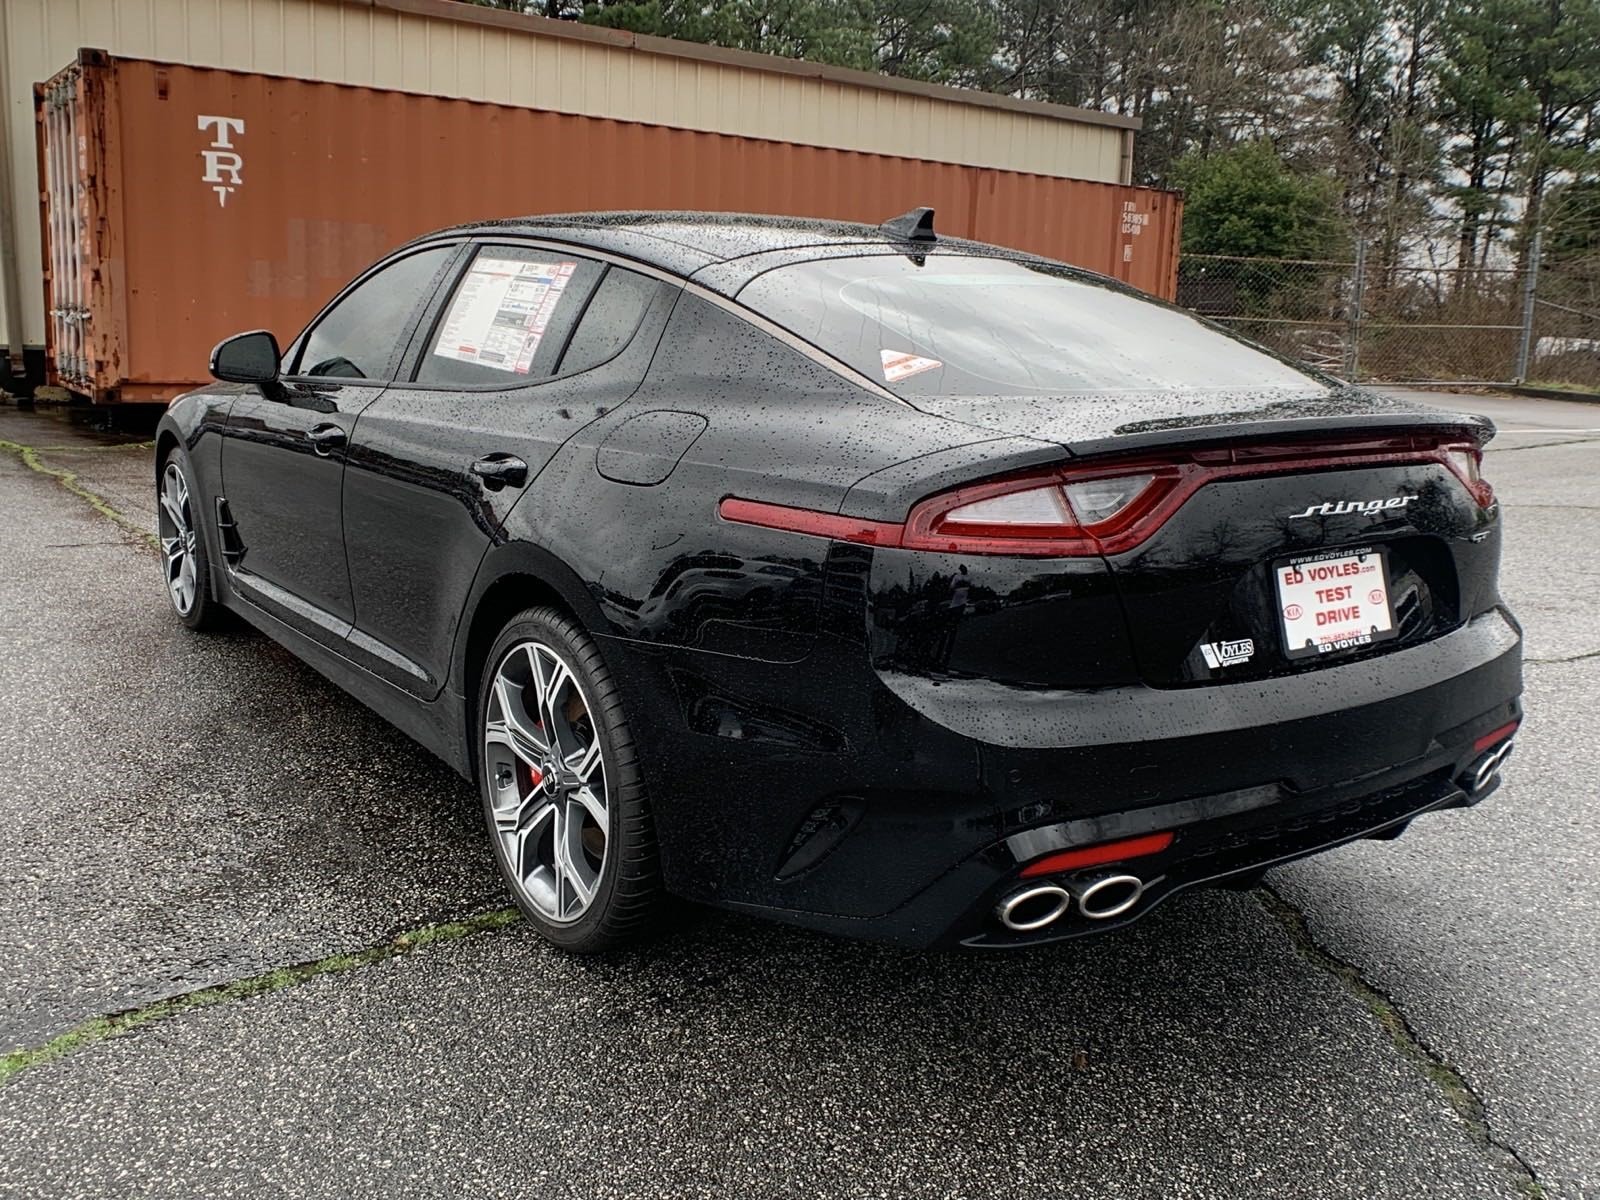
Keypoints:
pixel 610 321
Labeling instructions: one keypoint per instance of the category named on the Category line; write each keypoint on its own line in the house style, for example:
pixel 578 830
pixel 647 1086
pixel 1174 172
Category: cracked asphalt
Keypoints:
pixel 182 813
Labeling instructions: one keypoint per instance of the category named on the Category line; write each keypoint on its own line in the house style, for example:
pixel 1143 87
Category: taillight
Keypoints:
pixel 1098 500
pixel 1062 513
pixel 1466 461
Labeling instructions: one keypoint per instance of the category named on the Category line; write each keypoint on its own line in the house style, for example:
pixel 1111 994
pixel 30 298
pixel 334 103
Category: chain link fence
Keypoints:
pixel 1564 344
pixel 1374 322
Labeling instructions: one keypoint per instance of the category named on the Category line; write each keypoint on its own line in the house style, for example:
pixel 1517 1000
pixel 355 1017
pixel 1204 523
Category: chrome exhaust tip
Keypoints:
pixel 1034 908
pixel 1102 897
pixel 1487 767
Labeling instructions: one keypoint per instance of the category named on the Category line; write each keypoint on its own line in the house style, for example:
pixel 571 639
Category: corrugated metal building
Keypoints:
pixel 452 50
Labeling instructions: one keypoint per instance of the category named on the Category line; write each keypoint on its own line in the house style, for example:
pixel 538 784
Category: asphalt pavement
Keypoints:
pixel 251 943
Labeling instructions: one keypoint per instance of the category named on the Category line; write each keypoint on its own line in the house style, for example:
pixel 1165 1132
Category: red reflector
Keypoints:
pixel 1497 735
pixel 805 520
pixel 1093 856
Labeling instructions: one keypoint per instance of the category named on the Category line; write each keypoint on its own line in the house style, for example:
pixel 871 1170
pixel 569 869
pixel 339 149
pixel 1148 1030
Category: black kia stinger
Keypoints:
pixel 883 582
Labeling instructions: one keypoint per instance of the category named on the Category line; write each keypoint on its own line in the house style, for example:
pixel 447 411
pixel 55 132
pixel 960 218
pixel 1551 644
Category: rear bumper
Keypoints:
pixel 959 908
pixel 1220 849
pixel 1397 692
pixel 902 808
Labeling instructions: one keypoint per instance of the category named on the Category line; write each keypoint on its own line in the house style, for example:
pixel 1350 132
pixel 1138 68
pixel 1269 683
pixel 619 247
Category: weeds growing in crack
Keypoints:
pixel 1466 1102
pixel 97 1029
pixel 69 480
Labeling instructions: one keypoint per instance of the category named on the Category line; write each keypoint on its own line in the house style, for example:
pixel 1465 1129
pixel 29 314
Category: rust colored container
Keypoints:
pixel 183 204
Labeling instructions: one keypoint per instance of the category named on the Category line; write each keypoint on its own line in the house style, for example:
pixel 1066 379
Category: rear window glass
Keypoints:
pixel 953 325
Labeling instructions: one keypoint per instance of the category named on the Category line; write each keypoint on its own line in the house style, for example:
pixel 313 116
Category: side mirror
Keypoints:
pixel 247 358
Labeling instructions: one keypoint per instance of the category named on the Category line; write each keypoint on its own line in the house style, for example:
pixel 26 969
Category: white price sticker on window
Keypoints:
pixel 500 312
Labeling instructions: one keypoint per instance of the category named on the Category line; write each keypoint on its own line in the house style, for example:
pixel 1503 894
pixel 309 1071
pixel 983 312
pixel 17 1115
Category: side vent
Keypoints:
pixel 228 534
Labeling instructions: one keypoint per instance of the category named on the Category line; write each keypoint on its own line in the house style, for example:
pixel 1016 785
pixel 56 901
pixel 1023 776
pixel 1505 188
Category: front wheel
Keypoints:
pixel 562 792
pixel 183 545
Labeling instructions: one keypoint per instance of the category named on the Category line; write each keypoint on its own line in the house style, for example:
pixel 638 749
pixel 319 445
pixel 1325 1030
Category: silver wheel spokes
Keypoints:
pixel 547 780
pixel 176 528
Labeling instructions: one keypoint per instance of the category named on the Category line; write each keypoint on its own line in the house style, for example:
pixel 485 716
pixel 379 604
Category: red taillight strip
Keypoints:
pixel 1175 482
pixel 805 520
pixel 1094 856
pixel 1496 735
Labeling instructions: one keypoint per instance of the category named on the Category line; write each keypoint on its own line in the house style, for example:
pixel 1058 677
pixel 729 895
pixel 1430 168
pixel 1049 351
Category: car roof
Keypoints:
pixel 688 243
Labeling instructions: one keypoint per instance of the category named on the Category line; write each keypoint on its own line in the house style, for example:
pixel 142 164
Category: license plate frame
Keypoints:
pixel 1365 571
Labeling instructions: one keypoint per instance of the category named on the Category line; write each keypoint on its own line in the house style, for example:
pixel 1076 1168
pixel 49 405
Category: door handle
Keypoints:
pixel 497 470
pixel 325 439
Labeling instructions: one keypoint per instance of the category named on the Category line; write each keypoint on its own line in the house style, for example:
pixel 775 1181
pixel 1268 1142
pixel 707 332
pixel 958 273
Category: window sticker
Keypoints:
pixel 499 315
pixel 898 365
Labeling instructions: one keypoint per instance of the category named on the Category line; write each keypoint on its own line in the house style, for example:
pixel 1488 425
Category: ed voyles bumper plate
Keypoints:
pixel 1333 601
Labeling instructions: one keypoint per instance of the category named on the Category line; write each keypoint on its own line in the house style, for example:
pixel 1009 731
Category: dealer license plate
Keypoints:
pixel 1333 602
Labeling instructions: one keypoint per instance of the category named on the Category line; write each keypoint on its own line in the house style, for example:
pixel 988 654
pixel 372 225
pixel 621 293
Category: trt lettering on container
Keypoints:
pixel 224 166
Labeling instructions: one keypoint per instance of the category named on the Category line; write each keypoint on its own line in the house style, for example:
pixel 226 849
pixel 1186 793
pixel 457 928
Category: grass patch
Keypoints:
pixel 69 480
pixel 1562 385
pixel 97 1029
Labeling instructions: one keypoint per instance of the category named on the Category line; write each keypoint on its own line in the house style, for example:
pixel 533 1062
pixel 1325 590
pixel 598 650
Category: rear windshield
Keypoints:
pixel 956 325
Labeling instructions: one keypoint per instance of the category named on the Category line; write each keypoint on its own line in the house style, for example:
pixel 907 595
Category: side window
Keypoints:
pixel 611 319
pixel 357 338
pixel 509 317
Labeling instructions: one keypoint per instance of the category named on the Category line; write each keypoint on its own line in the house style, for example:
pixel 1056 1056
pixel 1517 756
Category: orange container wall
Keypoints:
pixel 328 177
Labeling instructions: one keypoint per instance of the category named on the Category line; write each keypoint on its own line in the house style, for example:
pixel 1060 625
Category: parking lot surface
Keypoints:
pixel 251 943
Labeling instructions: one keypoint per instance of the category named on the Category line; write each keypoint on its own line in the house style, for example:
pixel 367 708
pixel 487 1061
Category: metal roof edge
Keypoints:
pixel 622 39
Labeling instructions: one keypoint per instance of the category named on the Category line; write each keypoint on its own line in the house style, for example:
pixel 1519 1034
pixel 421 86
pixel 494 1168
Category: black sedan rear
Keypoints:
pixel 890 584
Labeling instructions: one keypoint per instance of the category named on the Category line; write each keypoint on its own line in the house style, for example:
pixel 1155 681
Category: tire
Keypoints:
pixel 183 545
pixel 584 890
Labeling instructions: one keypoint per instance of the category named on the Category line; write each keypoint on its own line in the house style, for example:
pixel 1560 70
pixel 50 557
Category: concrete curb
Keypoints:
pixel 1539 393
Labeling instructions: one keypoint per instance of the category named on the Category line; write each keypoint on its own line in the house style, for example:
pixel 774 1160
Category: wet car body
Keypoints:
pixel 836 727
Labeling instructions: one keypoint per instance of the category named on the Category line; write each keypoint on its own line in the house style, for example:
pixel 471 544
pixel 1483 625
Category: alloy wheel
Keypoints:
pixel 176 528
pixel 547 781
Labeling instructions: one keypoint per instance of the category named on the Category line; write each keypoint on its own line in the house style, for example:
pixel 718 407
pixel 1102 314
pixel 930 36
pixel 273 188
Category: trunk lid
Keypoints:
pixel 1256 577
pixel 1328 529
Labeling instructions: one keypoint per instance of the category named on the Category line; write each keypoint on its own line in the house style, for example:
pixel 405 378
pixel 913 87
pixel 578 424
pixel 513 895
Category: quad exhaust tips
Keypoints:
pixel 1098 897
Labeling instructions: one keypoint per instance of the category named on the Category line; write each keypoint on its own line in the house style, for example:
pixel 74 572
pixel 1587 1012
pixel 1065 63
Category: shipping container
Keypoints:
pixel 471 52
pixel 183 204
